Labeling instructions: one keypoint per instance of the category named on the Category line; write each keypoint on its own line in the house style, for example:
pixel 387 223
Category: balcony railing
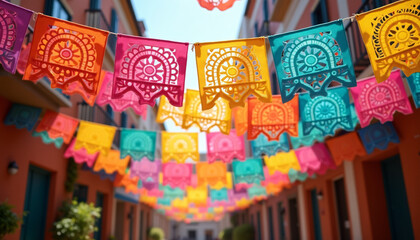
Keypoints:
pixel 99 115
pixel 357 47
pixel 96 18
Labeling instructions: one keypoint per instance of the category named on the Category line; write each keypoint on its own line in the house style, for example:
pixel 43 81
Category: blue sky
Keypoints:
pixel 186 21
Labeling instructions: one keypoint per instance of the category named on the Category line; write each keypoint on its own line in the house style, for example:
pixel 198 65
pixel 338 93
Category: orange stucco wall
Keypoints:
pixel 19 145
pixel 372 203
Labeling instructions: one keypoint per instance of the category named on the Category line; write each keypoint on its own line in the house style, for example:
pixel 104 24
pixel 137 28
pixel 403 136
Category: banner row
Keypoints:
pixel 309 60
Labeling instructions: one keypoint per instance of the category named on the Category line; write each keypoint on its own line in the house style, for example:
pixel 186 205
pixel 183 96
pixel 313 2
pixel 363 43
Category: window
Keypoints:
pixel 56 8
pixel 80 193
pixel 270 222
pixel 320 13
pixel 95 4
pixel 192 235
pixel 124 120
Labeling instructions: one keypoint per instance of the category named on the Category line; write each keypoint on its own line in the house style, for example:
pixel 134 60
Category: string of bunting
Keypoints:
pixel 314 70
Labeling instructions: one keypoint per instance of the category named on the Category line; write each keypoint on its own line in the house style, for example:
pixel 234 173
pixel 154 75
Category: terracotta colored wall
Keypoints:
pixel 372 198
pixel 19 145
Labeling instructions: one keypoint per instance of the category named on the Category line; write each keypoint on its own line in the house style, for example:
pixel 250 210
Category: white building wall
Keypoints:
pixel 200 228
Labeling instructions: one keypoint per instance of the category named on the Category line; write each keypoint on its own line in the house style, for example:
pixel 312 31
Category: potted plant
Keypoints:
pixel 76 221
pixel 244 232
pixel 9 221
pixel 156 233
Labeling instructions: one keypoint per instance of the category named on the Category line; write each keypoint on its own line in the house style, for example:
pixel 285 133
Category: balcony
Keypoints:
pixel 96 18
pixel 357 47
pixel 99 115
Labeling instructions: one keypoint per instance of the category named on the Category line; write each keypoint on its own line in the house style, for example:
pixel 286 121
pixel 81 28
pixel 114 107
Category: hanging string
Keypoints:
pixel 35 14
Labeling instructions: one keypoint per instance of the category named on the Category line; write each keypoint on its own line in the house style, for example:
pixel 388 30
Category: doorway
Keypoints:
pixel 396 199
pixel 100 198
pixel 192 235
pixel 208 234
pixel 294 219
pixel 119 222
pixel 36 203
pixel 341 209
pixel 316 219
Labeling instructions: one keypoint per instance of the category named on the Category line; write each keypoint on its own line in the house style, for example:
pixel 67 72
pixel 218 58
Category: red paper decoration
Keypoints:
pixel 58 125
pixel 272 119
pixel 220 4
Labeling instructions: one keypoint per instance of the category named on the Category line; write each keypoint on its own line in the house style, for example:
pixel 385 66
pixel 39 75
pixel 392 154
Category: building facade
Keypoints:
pixel 371 197
pixel 38 186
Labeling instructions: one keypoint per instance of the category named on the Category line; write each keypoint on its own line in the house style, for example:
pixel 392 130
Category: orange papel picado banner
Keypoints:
pixel 69 54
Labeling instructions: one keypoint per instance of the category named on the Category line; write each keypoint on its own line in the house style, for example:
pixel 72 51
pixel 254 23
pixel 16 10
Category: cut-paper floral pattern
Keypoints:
pixel 314 159
pixel 167 111
pixel 380 100
pixel 177 174
pixel 218 116
pixel 225 147
pixel 58 125
pixel 119 105
pixel 80 156
pixel 22 116
pixel 146 69
pixel 261 145
pixel 138 144
pixel 14 21
pixel 282 162
pixel 179 147
pixel 69 55
pixel 94 137
pixel 311 59
pixel 378 135
pixel 233 71
pixel 248 172
pixel 414 84
pixel 111 162
pixel 272 119
pixel 392 38
pixel 325 114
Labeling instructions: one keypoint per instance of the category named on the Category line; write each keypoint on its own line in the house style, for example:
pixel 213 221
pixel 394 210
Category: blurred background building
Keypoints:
pixel 373 197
